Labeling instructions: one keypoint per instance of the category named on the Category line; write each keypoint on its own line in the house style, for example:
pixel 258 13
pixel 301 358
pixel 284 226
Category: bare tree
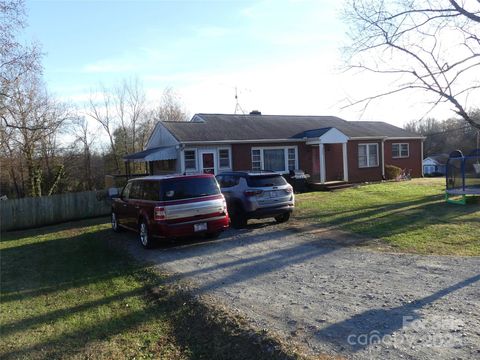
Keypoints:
pixel 123 114
pixel 15 59
pixel 131 106
pixel 84 139
pixel 444 136
pixel 100 109
pixel 427 45
pixel 30 124
pixel 170 107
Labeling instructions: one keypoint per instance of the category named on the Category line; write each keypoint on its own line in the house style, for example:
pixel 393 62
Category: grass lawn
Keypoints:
pixel 67 293
pixel 411 216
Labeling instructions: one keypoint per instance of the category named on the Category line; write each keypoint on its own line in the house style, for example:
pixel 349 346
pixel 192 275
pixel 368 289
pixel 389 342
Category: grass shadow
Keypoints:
pixel 78 296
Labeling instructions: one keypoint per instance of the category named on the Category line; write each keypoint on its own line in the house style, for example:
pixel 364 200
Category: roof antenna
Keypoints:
pixel 238 107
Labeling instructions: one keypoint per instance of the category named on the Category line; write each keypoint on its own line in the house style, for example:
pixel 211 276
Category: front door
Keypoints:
pixel 207 162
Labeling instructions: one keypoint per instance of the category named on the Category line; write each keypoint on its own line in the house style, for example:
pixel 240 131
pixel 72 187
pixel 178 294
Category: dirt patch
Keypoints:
pixel 313 288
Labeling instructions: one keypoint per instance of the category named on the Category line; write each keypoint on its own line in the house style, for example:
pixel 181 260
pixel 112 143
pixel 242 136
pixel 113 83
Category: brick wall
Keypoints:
pixel 358 174
pixel 414 161
pixel 308 159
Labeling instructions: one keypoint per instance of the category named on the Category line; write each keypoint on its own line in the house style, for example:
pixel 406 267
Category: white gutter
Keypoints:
pixel 406 138
pixel 368 137
pixel 242 141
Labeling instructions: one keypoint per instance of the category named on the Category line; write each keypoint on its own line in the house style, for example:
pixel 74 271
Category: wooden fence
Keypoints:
pixel 32 212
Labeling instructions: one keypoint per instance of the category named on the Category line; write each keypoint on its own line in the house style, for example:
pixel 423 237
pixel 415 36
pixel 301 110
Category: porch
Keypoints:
pixel 329 157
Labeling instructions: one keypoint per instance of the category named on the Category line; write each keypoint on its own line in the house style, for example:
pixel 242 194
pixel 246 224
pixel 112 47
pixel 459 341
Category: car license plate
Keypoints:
pixel 200 227
pixel 273 194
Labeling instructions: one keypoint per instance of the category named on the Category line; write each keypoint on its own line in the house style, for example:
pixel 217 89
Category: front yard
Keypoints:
pixel 67 292
pixel 410 216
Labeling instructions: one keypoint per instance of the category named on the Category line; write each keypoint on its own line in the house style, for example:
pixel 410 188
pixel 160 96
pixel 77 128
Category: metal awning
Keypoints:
pixel 159 153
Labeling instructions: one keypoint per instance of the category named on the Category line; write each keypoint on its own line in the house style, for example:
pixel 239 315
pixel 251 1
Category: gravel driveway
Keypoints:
pixel 312 287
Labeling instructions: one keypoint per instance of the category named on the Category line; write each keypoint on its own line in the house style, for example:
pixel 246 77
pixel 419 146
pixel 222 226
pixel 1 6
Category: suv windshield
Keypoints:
pixel 177 189
pixel 266 180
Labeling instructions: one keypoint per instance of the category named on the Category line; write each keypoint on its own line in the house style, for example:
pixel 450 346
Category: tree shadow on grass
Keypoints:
pixel 53 267
pixel 37 268
pixel 387 220
pixel 375 324
pixel 12 236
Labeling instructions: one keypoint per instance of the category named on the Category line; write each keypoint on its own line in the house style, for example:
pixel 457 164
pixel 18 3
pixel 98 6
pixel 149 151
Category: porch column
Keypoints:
pixel 383 159
pixel 322 163
pixel 345 162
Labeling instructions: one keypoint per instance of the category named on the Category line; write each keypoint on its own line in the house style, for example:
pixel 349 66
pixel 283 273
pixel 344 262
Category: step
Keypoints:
pixel 329 185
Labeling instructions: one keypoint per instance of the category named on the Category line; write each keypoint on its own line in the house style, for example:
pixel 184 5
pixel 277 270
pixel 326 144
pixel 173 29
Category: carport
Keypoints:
pixel 152 156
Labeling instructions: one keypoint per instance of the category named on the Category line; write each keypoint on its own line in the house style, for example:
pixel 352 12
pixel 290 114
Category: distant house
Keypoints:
pixel 435 164
pixel 326 147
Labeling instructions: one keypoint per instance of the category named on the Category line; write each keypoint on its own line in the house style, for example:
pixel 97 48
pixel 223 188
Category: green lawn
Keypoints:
pixel 66 292
pixel 411 216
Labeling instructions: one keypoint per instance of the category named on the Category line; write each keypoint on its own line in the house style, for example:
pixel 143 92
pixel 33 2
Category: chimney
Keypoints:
pixel 255 112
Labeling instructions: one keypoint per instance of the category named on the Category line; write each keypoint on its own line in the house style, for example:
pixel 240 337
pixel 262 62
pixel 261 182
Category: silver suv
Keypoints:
pixel 256 195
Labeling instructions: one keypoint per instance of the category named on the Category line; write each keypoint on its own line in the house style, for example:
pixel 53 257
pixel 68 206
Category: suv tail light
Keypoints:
pixel 252 192
pixel 224 206
pixel 289 190
pixel 159 213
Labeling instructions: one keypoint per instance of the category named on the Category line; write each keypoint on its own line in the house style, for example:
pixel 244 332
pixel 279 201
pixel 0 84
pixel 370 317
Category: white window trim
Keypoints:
pixel 285 150
pixel 400 151
pixel 368 156
pixel 229 157
pixel 196 160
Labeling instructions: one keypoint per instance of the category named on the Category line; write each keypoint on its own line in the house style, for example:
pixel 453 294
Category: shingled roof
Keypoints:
pixel 224 127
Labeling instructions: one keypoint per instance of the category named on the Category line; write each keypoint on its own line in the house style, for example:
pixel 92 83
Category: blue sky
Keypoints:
pixel 283 56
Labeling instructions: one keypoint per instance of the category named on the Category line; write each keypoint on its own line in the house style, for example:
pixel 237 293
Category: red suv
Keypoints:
pixel 171 206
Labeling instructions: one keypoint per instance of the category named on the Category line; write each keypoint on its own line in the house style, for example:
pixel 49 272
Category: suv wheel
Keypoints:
pixel 238 217
pixel 144 235
pixel 115 226
pixel 282 218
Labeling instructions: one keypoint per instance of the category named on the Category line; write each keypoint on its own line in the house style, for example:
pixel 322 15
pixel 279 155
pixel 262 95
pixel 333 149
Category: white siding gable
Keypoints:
pixel 160 137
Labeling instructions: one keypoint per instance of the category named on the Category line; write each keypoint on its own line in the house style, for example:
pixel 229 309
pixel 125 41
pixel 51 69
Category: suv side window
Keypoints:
pixel 136 190
pixel 151 190
pixel 126 191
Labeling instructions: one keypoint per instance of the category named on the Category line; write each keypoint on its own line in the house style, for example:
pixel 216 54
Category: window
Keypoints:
pixel 274 158
pixel 136 190
pixel 226 181
pixel 187 188
pixel 266 180
pixel 224 158
pixel 126 191
pixel 151 190
pixel 190 159
pixel 400 150
pixel 256 160
pixel 367 155
pixel 292 159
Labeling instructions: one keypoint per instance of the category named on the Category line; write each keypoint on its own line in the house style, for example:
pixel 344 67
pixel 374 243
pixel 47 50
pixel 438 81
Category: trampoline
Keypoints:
pixel 462 176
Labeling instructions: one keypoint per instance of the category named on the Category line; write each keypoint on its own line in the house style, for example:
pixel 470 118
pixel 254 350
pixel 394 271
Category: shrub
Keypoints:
pixel 392 172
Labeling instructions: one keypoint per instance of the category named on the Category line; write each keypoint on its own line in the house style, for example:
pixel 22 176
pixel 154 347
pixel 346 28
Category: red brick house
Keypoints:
pixel 325 147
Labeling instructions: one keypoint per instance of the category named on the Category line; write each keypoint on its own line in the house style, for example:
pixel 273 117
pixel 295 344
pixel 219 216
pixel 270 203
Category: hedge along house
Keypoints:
pixel 325 147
